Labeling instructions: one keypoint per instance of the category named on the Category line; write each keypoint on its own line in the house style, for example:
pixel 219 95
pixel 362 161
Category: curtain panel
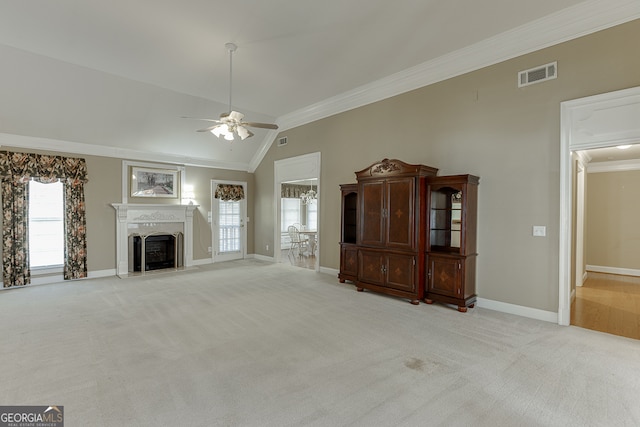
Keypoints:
pixel 293 191
pixel 16 169
pixel 229 192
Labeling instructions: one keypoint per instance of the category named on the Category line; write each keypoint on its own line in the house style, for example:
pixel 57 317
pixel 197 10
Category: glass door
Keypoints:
pixel 229 231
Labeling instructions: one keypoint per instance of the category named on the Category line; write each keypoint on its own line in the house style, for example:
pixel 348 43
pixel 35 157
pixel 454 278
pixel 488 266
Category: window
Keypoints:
pixel 290 213
pixel 46 224
pixel 230 222
pixel 312 216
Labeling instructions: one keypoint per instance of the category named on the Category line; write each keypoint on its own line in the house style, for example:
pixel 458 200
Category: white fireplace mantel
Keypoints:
pixel 154 217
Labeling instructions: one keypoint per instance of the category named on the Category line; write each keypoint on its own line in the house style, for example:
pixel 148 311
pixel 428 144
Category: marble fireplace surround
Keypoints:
pixel 146 219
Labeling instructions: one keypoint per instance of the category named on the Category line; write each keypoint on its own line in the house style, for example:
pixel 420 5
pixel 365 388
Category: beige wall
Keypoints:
pixel 201 178
pixel 613 209
pixel 478 123
pixel 105 187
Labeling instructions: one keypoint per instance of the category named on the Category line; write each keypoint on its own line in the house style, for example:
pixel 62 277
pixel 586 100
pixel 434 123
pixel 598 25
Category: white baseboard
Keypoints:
pixel 101 273
pixel 331 271
pixel 532 313
pixel 262 257
pixel 614 270
pixel 59 278
pixel 204 261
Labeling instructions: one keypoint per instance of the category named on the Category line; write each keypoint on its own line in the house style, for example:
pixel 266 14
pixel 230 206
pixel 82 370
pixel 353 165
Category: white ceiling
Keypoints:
pixel 114 77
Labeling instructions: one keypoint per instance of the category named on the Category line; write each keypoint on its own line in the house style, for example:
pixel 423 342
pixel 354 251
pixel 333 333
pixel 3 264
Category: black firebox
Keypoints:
pixel 159 252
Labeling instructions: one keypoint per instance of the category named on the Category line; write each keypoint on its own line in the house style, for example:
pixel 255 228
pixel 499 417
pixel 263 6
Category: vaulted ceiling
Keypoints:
pixel 114 78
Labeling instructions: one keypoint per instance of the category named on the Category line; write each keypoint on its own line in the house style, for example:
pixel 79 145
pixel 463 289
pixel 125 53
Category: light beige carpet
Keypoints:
pixel 249 343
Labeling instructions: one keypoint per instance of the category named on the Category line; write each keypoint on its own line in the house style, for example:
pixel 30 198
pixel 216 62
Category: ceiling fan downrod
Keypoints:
pixel 231 47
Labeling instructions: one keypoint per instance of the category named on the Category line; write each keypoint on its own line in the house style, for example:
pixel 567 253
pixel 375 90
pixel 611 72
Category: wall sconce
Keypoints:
pixel 188 195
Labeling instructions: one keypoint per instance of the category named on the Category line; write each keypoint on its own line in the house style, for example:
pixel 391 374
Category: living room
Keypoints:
pixel 474 121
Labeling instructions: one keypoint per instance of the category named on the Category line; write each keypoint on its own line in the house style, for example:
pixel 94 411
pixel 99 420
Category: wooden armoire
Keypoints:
pixel 409 233
pixel 391 228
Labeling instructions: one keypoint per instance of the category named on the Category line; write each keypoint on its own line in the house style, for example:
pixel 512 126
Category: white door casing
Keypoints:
pixel 597 121
pixel 295 168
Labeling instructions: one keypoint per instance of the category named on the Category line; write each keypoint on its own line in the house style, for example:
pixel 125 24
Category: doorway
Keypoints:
pixel 300 170
pixel 299 223
pixel 607 299
pixel 229 216
pixel 599 121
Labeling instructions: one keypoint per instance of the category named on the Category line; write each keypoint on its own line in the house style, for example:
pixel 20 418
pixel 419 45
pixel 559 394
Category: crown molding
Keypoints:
pixel 262 150
pixel 47 144
pixel 583 157
pixel 567 24
pixel 614 166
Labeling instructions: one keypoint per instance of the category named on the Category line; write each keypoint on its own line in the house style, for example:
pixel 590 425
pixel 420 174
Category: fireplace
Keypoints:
pixel 157 251
pixel 145 224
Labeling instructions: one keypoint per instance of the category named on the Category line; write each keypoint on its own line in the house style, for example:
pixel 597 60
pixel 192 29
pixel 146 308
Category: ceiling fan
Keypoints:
pixel 231 123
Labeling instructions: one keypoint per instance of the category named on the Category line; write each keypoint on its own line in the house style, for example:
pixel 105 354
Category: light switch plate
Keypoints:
pixel 539 230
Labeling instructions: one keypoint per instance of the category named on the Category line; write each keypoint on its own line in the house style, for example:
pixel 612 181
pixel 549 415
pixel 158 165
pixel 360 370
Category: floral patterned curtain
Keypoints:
pixel 293 191
pixel 75 230
pixel 16 169
pixel 15 239
pixel 229 192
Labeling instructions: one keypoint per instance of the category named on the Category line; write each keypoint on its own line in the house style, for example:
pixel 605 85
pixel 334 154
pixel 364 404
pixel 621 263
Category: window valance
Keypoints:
pixel 293 191
pixel 24 166
pixel 229 192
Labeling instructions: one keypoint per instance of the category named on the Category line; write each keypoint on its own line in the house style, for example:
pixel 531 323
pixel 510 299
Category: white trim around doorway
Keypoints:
pixel 596 121
pixel 302 167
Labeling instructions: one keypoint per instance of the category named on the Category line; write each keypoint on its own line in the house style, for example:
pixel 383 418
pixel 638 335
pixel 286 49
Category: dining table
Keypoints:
pixel 313 239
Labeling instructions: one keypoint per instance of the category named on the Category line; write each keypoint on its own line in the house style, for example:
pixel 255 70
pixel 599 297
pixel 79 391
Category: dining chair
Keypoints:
pixel 296 241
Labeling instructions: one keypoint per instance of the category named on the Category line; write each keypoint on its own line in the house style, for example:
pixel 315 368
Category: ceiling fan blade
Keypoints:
pixel 260 125
pixel 196 118
pixel 210 128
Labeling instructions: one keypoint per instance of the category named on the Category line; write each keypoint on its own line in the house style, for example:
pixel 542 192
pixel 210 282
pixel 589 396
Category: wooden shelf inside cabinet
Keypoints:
pixel 451 240
pixel 348 233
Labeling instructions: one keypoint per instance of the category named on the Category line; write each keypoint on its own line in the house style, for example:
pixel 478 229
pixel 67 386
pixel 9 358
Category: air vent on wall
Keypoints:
pixel 538 74
pixel 282 141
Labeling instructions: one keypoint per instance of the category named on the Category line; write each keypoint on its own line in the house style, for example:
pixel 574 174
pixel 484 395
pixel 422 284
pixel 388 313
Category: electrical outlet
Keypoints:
pixel 539 230
pixel 267 247
pixel 209 249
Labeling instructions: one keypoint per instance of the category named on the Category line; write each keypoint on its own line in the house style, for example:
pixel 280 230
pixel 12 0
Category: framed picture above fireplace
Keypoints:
pixel 155 182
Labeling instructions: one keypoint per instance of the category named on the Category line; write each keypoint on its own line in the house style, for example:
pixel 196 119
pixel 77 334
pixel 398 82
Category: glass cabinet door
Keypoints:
pixel 446 219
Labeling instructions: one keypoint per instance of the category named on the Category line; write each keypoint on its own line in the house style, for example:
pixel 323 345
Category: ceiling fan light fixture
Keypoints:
pixel 230 123
pixel 220 129
pixel 243 132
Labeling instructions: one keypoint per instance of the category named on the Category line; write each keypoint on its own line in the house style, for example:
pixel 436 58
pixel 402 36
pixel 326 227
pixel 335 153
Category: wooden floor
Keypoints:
pixel 304 261
pixel 608 303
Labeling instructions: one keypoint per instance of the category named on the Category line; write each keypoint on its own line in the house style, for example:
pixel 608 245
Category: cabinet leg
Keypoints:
pixel 415 302
pixel 360 289
pixel 341 280
pixel 472 305
pixel 462 309
pixel 428 301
